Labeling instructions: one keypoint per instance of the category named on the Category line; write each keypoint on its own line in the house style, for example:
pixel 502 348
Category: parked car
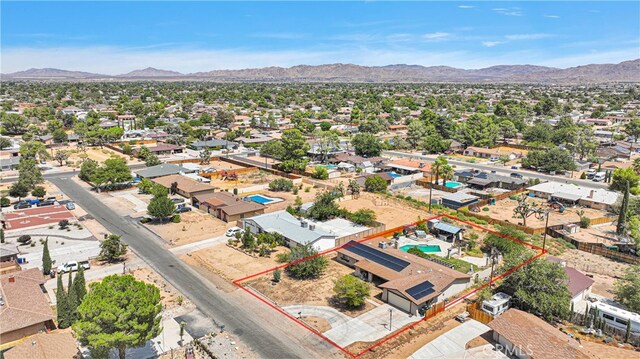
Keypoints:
pixel 47 202
pixel 177 200
pixel 182 209
pixel 514 167
pixel 600 176
pixel 73 266
pixel 31 200
pixel 590 173
pixel 70 206
pixel 463 317
pixel 516 175
pixel 22 205
pixel 231 232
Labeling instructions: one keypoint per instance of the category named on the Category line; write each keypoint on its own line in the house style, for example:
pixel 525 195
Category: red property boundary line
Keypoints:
pixel 238 282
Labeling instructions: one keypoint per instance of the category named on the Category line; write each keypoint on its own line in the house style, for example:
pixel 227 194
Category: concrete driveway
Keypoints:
pixel 451 343
pixel 345 330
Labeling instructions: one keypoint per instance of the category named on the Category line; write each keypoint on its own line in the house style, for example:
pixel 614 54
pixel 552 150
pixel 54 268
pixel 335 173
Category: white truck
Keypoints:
pixel 73 266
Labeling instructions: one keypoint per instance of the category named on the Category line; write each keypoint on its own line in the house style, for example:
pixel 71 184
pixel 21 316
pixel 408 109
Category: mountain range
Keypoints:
pixel 627 71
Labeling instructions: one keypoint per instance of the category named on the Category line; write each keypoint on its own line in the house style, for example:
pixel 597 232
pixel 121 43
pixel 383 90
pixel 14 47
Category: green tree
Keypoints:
pixel 113 171
pixel 367 145
pixel 540 286
pixel 623 178
pixel 61 156
pixel 632 129
pixel 479 130
pixel 363 216
pixel 38 192
pixel 354 188
pixel 80 285
pixel 224 119
pixel 88 169
pixel 205 156
pixel 62 306
pixel 438 164
pixel 295 148
pixel 622 216
pixel 507 130
pixel 161 207
pixel 320 173
pixel 273 149
pixel 627 289
pixel 312 267
pixel 33 150
pixel 59 136
pixel 554 159
pixel 143 152
pixel 112 249
pixel 152 160
pixel 5 143
pixel 526 209
pixel 324 207
pixel 1 235
pixel 46 258
pixel 72 299
pixel 351 290
pixel 14 124
pixel 375 183
pixel 118 313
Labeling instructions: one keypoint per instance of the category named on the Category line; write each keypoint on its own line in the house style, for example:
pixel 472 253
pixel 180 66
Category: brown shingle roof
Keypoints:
pixel 535 337
pixel 25 304
pixel 184 183
pixel 46 346
pixel 229 203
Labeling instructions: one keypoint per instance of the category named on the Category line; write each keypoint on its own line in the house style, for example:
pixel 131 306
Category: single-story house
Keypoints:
pixel 227 206
pixel 184 186
pixel 456 147
pixel 578 283
pixel 164 169
pixel 458 200
pixel 570 194
pixel 492 153
pixel 8 252
pixel 56 345
pixel 162 148
pixel 294 230
pixel 484 180
pixel 445 231
pixel 408 282
pixel 526 336
pixel 213 143
pixel 409 166
pixel 10 163
pixel 26 309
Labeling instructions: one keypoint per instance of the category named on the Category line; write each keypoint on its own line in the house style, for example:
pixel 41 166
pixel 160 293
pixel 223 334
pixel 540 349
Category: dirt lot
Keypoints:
pixel 244 180
pixel 193 227
pixel 230 263
pixel 391 212
pixel 597 234
pixel 318 291
pixel 604 270
pixel 504 211
pixel 170 298
pixel 289 197
pixel 409 341
pixel 318 323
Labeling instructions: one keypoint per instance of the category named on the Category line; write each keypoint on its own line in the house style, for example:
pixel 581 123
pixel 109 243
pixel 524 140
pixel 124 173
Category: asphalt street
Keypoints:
pixel 266 339
pixel 504 170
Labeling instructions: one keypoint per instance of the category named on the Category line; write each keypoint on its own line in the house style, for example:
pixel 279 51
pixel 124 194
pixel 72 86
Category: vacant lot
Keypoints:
pixel 316 292
pixel 230 263
pixel 391 212
pixel 194 226
pixel 503 210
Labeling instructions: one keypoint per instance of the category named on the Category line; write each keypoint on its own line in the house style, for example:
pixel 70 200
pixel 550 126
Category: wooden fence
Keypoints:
pixel 428 184
pixel 220 174
pixel 270 170
pixel 435 309
pixel 595 248
pixel 475 313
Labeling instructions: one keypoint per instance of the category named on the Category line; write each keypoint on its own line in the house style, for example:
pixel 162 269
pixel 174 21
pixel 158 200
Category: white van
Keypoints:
pixel 599 176
pixel 590 173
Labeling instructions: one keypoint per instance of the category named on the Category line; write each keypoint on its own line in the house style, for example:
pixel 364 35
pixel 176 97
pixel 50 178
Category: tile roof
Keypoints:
pixel 25 303
pixel 46 346
pixel 535 336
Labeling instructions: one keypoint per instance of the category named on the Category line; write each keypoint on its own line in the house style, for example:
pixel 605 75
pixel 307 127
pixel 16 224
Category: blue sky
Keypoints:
pixel 117 37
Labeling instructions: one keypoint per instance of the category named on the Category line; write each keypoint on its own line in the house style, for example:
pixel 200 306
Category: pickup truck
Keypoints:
pixel 73 266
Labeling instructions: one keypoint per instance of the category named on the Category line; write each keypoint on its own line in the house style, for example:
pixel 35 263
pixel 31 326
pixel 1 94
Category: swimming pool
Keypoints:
pixel 263 199
pixel 329 167
pixel 425 248
pixel 452 184
pixel 394 175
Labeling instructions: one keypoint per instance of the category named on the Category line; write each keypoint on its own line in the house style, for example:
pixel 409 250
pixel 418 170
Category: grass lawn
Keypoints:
pixel 458 264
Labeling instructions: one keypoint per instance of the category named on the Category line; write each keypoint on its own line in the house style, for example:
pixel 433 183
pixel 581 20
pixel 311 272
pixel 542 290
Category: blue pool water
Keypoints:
pixel 423 247
pixel 260 199
pixel 329 167
pixel 394 175
pixel 452 184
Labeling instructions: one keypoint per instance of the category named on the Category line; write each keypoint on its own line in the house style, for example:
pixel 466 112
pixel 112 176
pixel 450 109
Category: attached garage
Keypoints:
pixel 398 301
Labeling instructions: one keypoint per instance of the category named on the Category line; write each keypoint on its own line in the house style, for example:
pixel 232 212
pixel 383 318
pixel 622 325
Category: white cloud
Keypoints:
pixel 467 6
pixel 436 36
pixel 552 16
pixel 492 43
pixel 527 36
pixel 509 11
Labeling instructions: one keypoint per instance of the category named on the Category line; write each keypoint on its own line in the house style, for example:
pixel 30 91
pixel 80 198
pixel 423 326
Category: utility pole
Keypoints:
pixel 390 318
pixel 430 192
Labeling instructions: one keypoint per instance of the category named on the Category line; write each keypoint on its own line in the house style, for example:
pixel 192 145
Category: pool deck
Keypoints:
pixel 429 240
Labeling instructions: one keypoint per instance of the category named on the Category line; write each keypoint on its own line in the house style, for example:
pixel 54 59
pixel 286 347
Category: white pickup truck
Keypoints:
pixel 73 266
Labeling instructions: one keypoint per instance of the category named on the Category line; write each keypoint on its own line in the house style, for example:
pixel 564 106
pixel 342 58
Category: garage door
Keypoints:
pixel 398 301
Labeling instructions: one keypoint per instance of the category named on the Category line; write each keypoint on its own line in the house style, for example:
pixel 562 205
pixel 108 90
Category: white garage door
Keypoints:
pixel 399 302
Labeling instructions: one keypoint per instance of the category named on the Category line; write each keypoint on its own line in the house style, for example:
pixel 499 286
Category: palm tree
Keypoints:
pixel 446 172
pixel 437 165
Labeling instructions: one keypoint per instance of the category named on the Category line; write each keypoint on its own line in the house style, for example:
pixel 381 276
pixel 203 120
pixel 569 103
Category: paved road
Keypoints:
pixel 503 170
pixel 269 340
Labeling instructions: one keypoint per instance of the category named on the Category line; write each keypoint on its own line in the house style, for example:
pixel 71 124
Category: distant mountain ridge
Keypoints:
pixel 627 71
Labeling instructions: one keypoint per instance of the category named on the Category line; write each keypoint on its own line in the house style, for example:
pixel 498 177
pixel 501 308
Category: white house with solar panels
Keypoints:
pixel 408 282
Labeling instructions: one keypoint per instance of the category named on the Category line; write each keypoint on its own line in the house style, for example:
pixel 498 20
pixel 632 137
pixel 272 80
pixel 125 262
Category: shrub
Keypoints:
pixel 4 202
pixel 486 209
pixel 176 219
pixel 63 224
pixel 375 183
pixel 277 275
pixel 353 291
pixel 585 222
pixel 307 189
pixel 583 175
pixel 320 173
pixel 281 185
pixel 363 216
pixel 295 190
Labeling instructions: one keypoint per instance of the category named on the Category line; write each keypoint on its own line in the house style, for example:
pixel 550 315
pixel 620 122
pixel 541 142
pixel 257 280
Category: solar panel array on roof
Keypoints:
pixel 377 256
pixel 421 290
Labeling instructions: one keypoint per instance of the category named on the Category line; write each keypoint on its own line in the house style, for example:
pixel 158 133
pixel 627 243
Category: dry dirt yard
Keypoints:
pixel 194 226
pixel 503 210
pixel 230 263
pixel 389 211
pixel 317 292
